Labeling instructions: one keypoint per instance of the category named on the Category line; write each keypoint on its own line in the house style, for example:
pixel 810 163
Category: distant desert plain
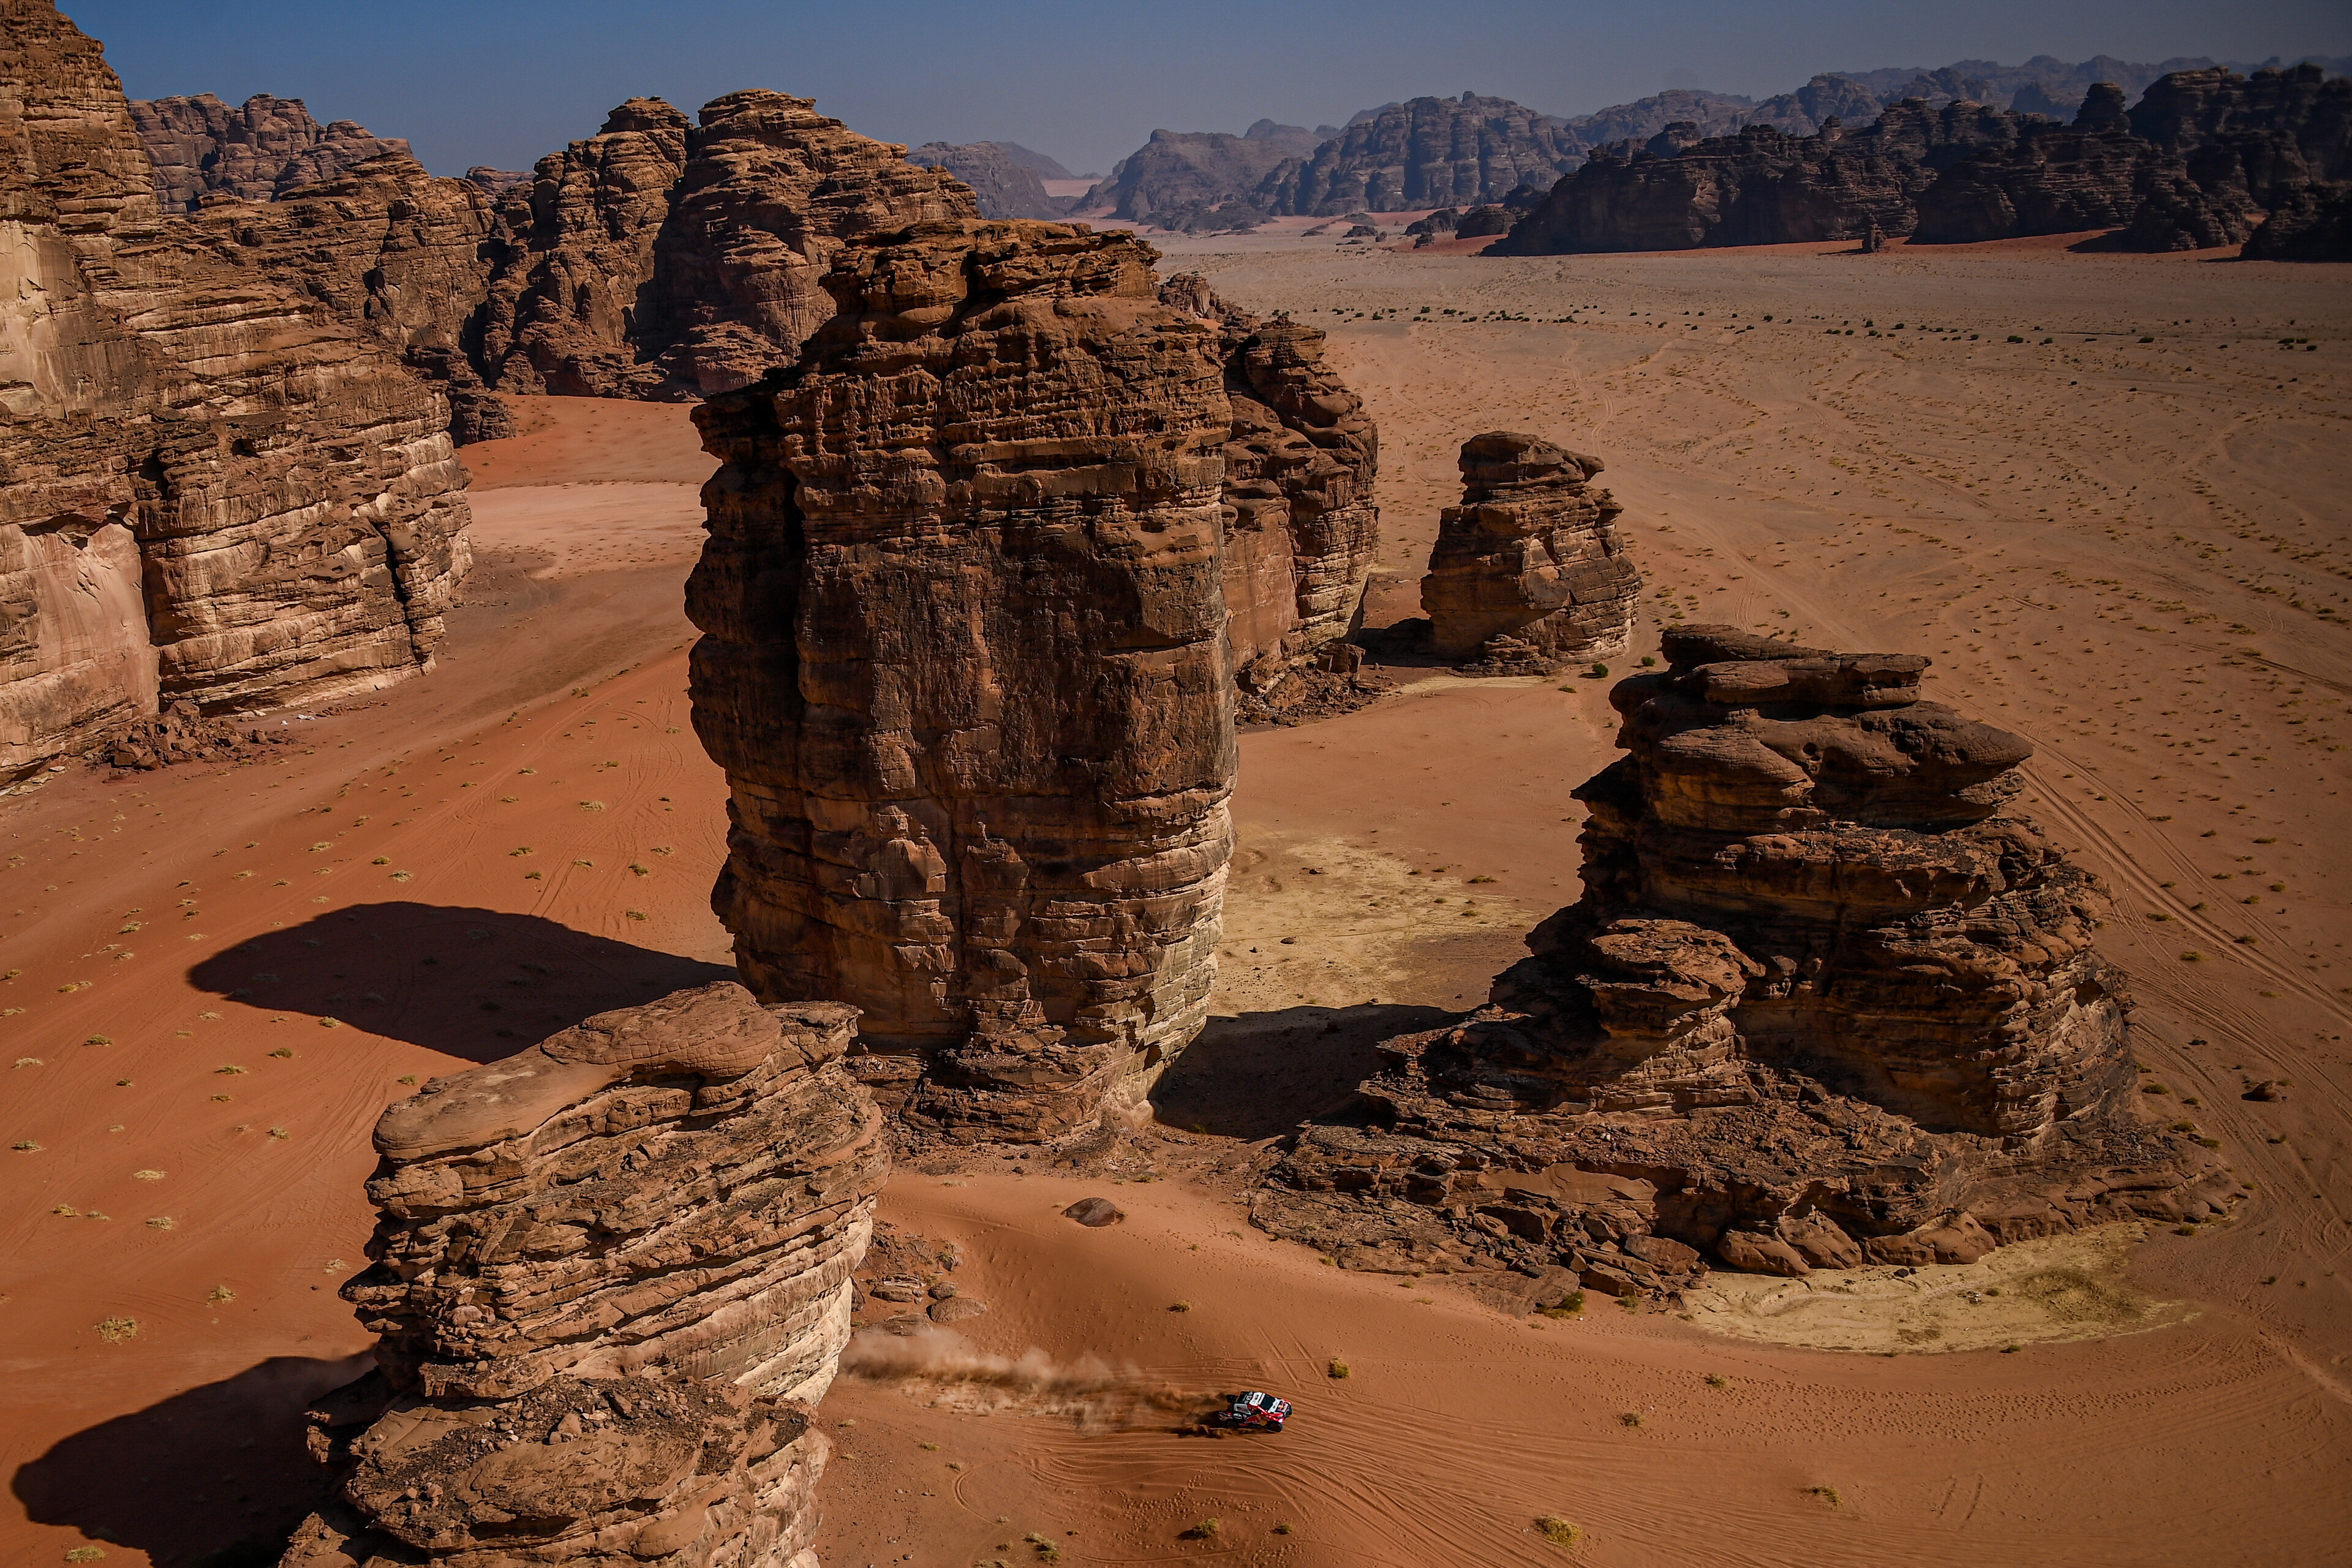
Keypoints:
pixel 2108 494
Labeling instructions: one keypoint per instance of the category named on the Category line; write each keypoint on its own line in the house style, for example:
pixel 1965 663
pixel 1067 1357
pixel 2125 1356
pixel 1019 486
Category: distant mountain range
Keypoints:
pixel 1474 149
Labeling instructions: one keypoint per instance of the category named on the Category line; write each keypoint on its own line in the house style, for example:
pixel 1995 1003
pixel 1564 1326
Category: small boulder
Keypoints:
pixel 2269 1089
pixel 942 1290
pixel 1094 1213
pixel 1753 1254
pixel 955 1309
pixel 898 1289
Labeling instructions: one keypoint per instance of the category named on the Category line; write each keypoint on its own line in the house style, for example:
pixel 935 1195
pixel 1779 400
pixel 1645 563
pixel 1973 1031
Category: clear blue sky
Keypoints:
pixel 504 81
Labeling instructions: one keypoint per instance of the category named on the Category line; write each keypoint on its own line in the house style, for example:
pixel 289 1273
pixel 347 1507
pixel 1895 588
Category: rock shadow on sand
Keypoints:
pixel 475 983
pixel 214 1477
pixel 1259 1075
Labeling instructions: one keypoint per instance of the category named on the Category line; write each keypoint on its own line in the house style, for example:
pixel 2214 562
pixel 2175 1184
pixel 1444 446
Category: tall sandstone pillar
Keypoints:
pixel 965 667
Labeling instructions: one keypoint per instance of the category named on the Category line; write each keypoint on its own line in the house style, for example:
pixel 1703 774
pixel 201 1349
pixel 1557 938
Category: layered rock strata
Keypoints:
pixel 217 491
pixel 610 1276
pixel 1763 186
pixel 1428 153
pixel 1824 1001
pixel 1528 574
pixel 1300 530
pixel 2089 175
pixel 257 150
pixel 964 666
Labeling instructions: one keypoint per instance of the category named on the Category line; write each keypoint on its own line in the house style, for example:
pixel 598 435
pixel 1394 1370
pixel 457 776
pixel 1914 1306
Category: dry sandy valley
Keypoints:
pixel 2108 495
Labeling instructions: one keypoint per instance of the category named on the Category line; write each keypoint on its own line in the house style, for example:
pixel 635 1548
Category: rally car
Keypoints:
pixel 1263 1412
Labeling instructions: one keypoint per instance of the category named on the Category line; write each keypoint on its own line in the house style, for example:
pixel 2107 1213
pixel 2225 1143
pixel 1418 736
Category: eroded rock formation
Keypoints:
pixel 1825 1000
pixel 216 489
pixel 1762 186
pixel 610 1276
pixel 1529 575
pixel 1181 179
pixel 1301 531
pixel 2090 174
pixel 963 664
pixel 1002 185
pixel 258 151
pixel 1428 153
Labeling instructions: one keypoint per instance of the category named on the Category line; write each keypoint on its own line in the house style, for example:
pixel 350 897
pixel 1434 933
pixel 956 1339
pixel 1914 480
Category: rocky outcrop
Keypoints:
pixel 2246 145
pixel 1428 153
pixel 575 257
pixel 1529 575
pixel 963 665
pixel 393 252
pixel 2091 174
pixel 771 192
pixel 1300 529
pixel 2314 224
pixel 1763 186
pixel 1003 186
pixel 1181 179
pixel 1824 1001
pixel 258 151
pixel 610 1277
pixel 216 490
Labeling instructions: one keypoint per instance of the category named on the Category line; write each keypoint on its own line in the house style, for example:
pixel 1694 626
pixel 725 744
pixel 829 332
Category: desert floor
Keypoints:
pixel 206 1015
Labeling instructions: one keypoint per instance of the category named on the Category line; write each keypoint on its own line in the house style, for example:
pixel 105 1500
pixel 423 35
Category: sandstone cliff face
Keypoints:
pixel 1823 1001
pixel 1301 531
pixel 1763 188
pixel 2247 146
pixel 1429 153
pixel 964 666
pixel 2091 174
pixel 258 151
pixel 1003 186
pixel 647 1396
pixel 1178 176
pixel 2314 224
pixel 575 257
pixel 1528 574
pixel 215 489
pixel 389 249
pixel 771 193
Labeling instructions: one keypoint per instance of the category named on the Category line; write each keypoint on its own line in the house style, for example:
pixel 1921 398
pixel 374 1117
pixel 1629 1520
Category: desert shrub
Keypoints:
pixel 1558 1531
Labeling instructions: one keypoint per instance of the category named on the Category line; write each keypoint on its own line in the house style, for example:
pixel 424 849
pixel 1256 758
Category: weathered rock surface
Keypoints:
pixel 217 491
pixel 1822 1001
pixel 2247 146
pixel 1762 186
pixel 1185 178
pixel 1528 574
pixel 258 151
pixel 963 664
pixel 2090 174
pixel 611 1275
pixel 1428 153
pixel 1003 186
pixel 2314 224
pixel 1301 531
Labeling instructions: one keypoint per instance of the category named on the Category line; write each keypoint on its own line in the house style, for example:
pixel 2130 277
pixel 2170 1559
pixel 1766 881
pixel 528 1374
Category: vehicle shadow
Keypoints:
pixel 214 1477
pixel 1259 1075
pixel 476 983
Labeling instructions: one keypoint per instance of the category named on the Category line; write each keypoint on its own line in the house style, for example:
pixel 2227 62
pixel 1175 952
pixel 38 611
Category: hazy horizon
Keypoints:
pixel 1080 83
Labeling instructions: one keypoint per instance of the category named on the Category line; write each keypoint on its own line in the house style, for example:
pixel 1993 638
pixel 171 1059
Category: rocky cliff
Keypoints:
pixel 575 257
pixel 216 490
pixel 963 664
pixel 645 1396
pixel 258 151
pixel 1528 574
pixel 1762 186
pixel 1182 179
pixel 1429 153
pixel 2090 174
pixel 2247 146
pixel 1000 182
pixel 1825 999
pixel 1300 529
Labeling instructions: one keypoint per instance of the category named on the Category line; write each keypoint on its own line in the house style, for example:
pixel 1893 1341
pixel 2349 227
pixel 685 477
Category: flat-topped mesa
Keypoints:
pixel 1528 574
pixel 964 666
pixel 1301 531
pixel 1822 1002
pixel 610 1276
